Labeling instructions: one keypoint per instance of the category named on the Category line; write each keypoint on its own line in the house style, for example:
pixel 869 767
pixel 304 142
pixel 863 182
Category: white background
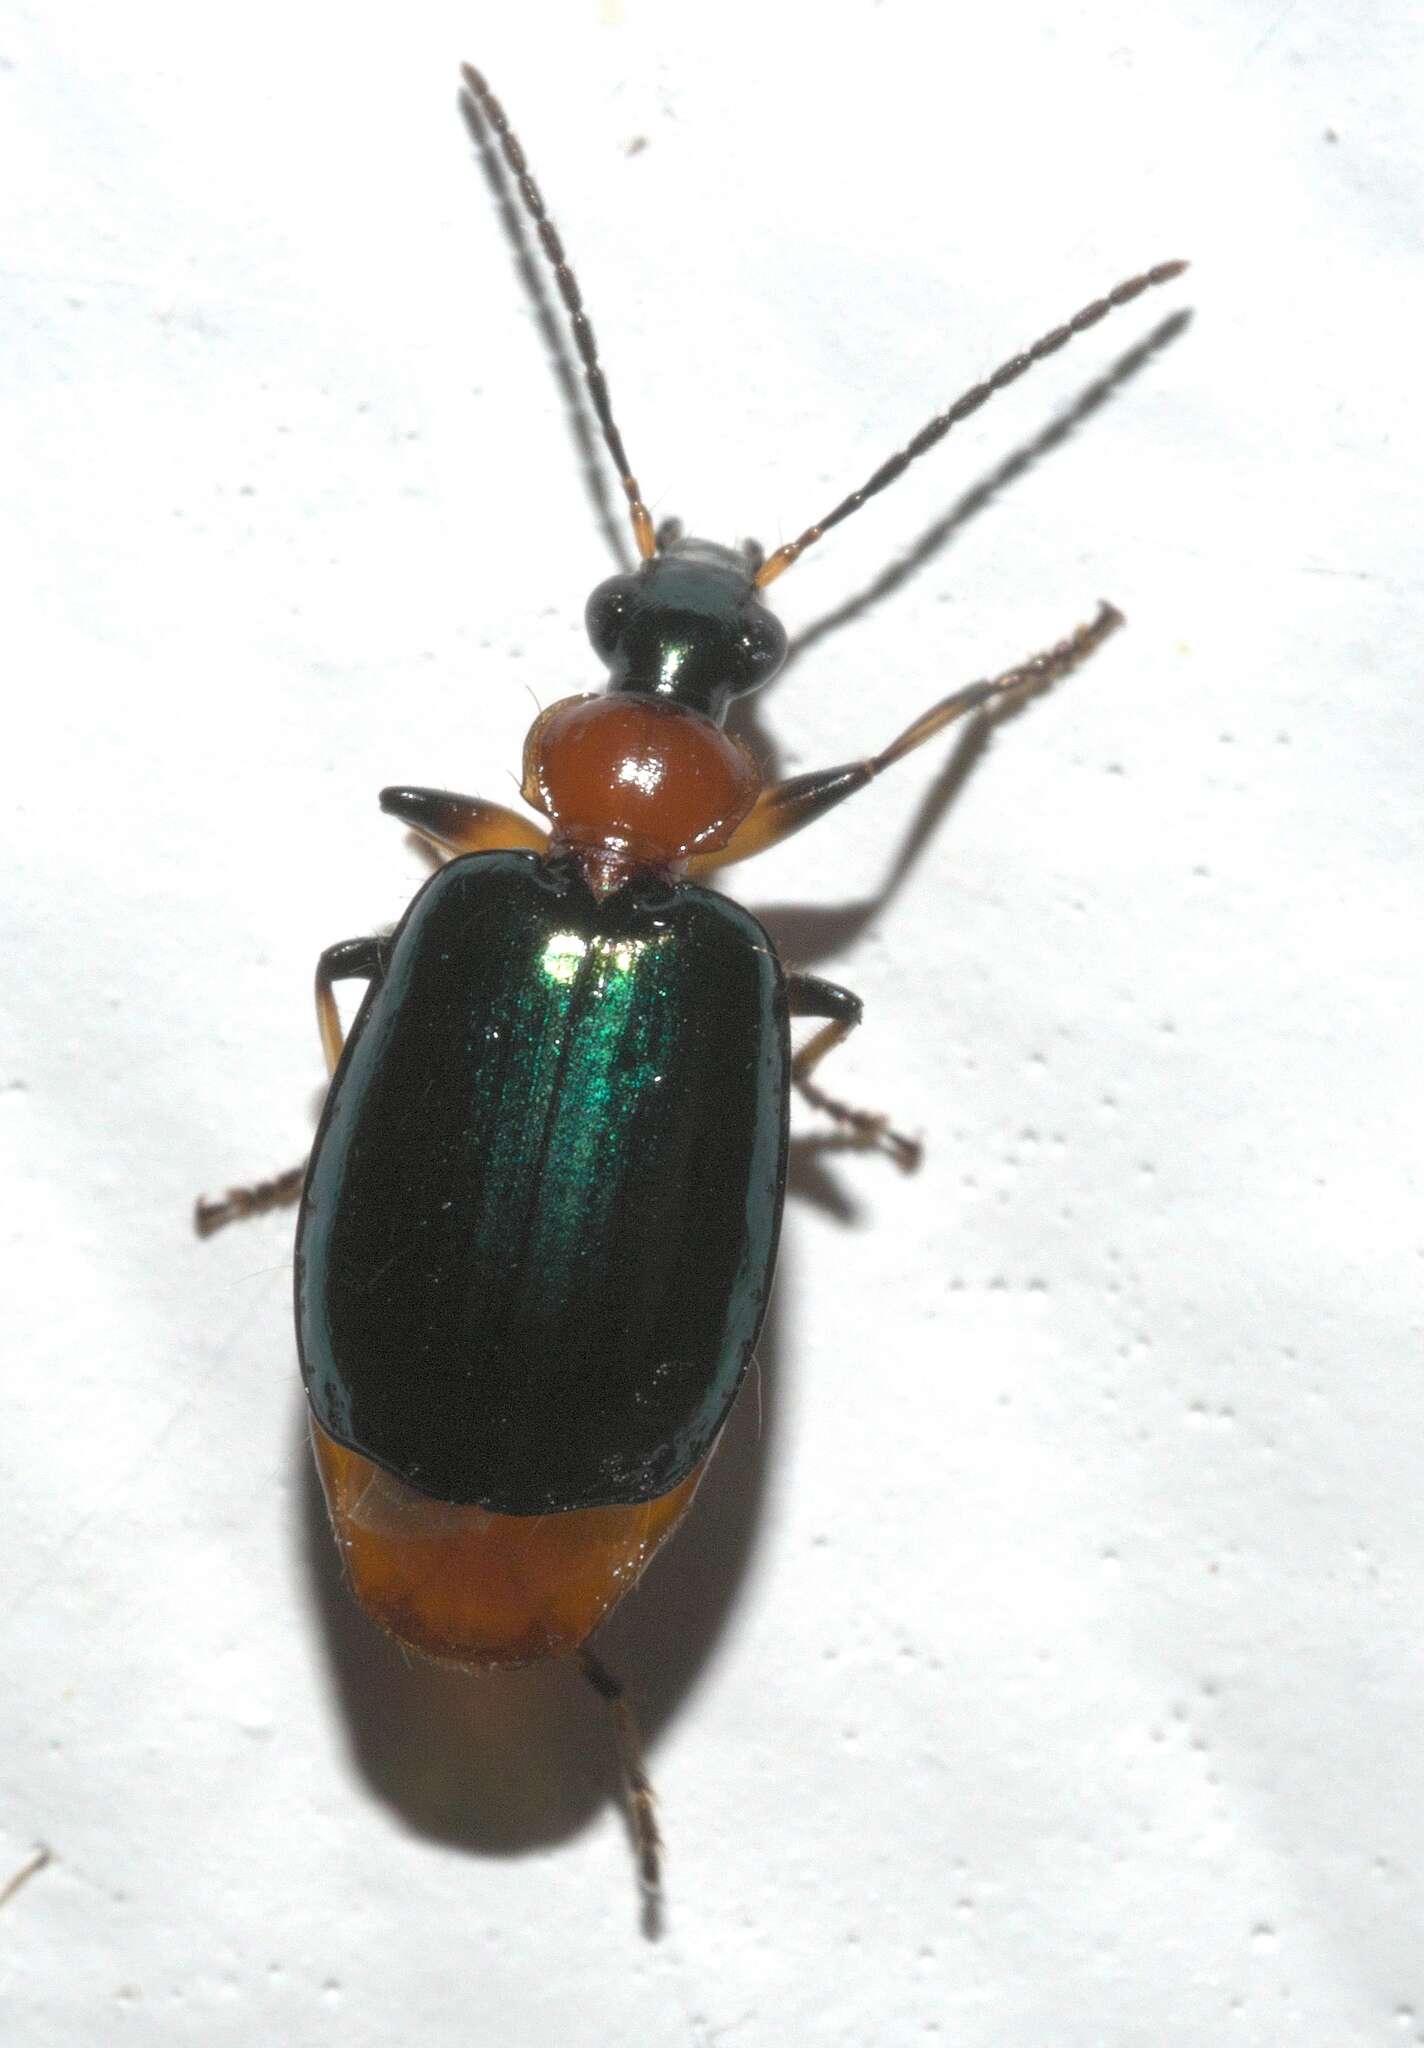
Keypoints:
pixel 1042 1664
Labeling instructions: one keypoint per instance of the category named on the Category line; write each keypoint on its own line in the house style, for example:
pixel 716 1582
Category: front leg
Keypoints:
pixel 452 823
pixel 787 807
pixel 809 996
pixel 351 960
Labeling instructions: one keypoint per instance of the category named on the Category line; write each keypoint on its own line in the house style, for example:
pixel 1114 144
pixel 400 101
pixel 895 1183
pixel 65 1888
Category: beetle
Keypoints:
pixel 539 1219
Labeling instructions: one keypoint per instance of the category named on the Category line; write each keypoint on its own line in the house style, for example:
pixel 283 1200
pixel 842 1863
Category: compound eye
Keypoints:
pixel 763 649
pixel 607 612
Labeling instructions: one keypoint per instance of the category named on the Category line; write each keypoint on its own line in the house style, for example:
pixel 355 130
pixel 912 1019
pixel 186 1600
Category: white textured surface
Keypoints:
pixel 1047 1670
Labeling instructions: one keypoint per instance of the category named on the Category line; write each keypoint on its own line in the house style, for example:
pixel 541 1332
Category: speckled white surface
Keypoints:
pixel 1043 1663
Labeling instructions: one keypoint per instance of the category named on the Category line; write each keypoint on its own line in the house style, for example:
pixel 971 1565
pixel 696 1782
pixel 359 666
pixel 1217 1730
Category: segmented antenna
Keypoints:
pixel 569 292
pixel 978 394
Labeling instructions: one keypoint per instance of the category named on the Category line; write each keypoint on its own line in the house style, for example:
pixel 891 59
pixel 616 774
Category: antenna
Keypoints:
pixel 977 395
pixel 487 105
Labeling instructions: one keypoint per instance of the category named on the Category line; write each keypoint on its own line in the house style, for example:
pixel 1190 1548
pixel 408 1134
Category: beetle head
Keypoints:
pixel 688 626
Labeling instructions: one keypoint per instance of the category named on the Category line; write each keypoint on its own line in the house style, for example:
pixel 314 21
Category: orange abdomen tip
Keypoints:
pixel 480 1590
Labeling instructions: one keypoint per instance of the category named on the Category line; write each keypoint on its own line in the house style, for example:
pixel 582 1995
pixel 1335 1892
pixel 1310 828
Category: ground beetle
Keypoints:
pixel 539 1221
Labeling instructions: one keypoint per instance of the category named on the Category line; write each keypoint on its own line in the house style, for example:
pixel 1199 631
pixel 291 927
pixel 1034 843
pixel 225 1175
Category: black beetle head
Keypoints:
pixel 688 626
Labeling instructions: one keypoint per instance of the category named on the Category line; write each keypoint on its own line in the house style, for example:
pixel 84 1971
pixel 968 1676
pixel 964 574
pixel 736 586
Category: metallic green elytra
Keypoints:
pixel 541 1213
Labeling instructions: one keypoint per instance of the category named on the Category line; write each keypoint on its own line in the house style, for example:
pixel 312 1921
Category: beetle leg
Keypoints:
pixel 784 807
pixel 350 960
pixel 353 958
pixel 463 824
pixel 254 1200
pixel 809 996
pixel 37 1862
pixel 637 1790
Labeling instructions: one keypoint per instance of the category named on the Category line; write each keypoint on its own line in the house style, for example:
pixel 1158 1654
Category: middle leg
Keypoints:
pixel 809 996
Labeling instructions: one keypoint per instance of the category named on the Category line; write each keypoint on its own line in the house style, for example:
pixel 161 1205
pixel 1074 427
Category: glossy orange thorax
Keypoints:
pixel 635 781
